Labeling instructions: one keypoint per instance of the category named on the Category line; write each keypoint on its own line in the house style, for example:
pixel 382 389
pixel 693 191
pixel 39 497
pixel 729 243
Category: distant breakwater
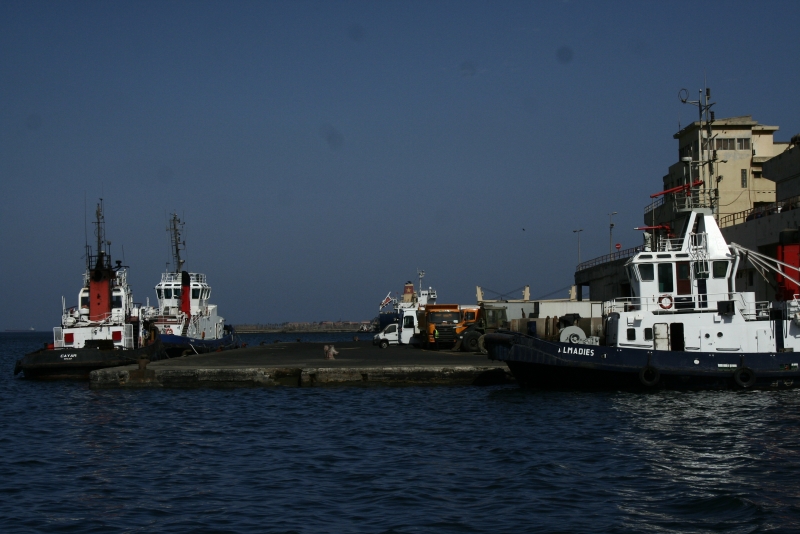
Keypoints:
pixel 338 326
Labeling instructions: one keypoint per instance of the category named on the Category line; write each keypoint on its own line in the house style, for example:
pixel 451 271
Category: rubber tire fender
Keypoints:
pixel 649 376
pixel 471 342
pixel 744 377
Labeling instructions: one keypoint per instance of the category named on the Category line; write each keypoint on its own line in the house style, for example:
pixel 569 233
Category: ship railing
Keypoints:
pixel 696 198
pixel 176 278
pixel 673 244
pixel 114 317
pixel 749 308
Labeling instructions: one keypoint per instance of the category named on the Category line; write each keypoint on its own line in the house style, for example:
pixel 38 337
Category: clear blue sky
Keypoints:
pixel 321 152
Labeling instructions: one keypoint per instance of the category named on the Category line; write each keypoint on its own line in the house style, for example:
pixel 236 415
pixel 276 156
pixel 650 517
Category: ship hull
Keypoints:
pixel 76 364
pixel 183 346
pixel 536 363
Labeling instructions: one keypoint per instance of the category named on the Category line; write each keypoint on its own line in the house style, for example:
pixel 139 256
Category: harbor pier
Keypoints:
pixel 304 365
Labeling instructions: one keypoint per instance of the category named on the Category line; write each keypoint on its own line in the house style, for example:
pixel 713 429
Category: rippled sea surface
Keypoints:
pixel 444 459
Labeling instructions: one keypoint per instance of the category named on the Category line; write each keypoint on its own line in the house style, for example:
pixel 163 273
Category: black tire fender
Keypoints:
pixel 649 376
pixel 744 377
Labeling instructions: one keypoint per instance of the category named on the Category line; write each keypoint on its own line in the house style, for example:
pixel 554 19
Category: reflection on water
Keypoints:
pixel 444 459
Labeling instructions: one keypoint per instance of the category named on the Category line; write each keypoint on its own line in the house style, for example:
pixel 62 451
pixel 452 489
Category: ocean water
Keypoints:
pixel 399 460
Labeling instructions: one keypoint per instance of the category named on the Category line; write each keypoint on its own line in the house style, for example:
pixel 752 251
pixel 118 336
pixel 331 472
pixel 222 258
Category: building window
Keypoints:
pixel 756 174
pixel 744 178
pixel 726 143
pixel 743 143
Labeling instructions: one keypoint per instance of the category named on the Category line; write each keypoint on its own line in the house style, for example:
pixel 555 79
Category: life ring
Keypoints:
pixel 665 302
pixel 649 376
pixel 168 330
pixel 744 377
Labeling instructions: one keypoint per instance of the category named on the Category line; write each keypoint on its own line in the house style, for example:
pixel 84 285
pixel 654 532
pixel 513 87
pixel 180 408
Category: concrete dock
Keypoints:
pixel 304 365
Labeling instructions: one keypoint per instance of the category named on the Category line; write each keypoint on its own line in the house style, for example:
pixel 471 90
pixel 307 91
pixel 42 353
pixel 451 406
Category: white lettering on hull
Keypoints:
pixel 576 350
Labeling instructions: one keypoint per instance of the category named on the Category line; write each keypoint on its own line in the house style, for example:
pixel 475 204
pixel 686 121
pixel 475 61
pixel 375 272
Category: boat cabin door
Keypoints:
pixel 661 336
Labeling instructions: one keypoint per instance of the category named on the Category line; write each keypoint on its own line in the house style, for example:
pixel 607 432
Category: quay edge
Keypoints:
pixel 409 375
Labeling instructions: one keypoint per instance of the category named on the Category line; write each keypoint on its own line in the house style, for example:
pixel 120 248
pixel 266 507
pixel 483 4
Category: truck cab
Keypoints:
pixel 409 328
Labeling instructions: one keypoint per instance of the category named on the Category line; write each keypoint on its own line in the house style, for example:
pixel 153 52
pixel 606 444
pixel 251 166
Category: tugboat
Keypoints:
pixel 685 327
pixel 184 320
pixel 104 331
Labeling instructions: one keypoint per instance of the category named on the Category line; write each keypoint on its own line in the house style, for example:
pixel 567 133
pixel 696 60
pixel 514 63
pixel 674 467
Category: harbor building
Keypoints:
pixel 743 175
pixel 762 228
pixel 730 167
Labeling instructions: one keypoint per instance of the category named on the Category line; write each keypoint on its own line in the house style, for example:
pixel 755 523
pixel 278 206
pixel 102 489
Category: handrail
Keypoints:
pixel 760 211
pixel 627 253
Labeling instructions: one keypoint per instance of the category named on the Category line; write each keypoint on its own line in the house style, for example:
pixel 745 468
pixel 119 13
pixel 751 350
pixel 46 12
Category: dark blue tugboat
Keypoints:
pixel 685 327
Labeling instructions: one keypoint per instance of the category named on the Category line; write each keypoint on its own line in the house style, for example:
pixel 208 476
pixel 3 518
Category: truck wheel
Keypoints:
pixel 482 344
pixel 384 343
pixel 470 343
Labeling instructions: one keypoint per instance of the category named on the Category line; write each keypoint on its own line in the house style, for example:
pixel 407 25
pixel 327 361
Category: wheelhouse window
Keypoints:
pixel 646 272
pixel 167 292
pixel 631 334
pixel 700 270
pixel 84 300
pixel 176 292
pixel 720 269
pixel 665 278
pixel 195 293
pixel 116 300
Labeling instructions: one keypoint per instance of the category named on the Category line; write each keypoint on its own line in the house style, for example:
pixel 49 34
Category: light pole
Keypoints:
pixel 579 243
pixel 611 233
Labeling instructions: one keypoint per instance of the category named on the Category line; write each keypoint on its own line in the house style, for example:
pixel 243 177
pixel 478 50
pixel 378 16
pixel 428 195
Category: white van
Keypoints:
pixel 388 336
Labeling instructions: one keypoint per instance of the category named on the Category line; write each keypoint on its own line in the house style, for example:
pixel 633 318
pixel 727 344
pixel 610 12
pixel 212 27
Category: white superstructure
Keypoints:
pixel 684 298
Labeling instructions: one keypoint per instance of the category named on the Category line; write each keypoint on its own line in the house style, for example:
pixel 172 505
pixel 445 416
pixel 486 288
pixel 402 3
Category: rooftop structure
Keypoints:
pixel 728 167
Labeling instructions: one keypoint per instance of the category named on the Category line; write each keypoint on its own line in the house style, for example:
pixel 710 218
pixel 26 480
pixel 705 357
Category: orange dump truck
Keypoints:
pixel 437 325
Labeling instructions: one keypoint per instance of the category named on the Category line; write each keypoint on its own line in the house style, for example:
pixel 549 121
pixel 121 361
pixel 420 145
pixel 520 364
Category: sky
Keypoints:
pixel 321 153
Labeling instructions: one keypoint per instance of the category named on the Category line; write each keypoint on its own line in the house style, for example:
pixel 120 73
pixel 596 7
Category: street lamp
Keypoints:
pixel 611 233
pixel 579 243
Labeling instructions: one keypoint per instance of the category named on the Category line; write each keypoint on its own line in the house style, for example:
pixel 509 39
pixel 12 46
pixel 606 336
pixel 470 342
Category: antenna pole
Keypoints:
pixel 175 227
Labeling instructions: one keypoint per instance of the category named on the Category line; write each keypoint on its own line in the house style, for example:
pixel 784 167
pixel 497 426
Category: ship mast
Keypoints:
pixel 707 155
pixel 176 245
pixel 102 259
